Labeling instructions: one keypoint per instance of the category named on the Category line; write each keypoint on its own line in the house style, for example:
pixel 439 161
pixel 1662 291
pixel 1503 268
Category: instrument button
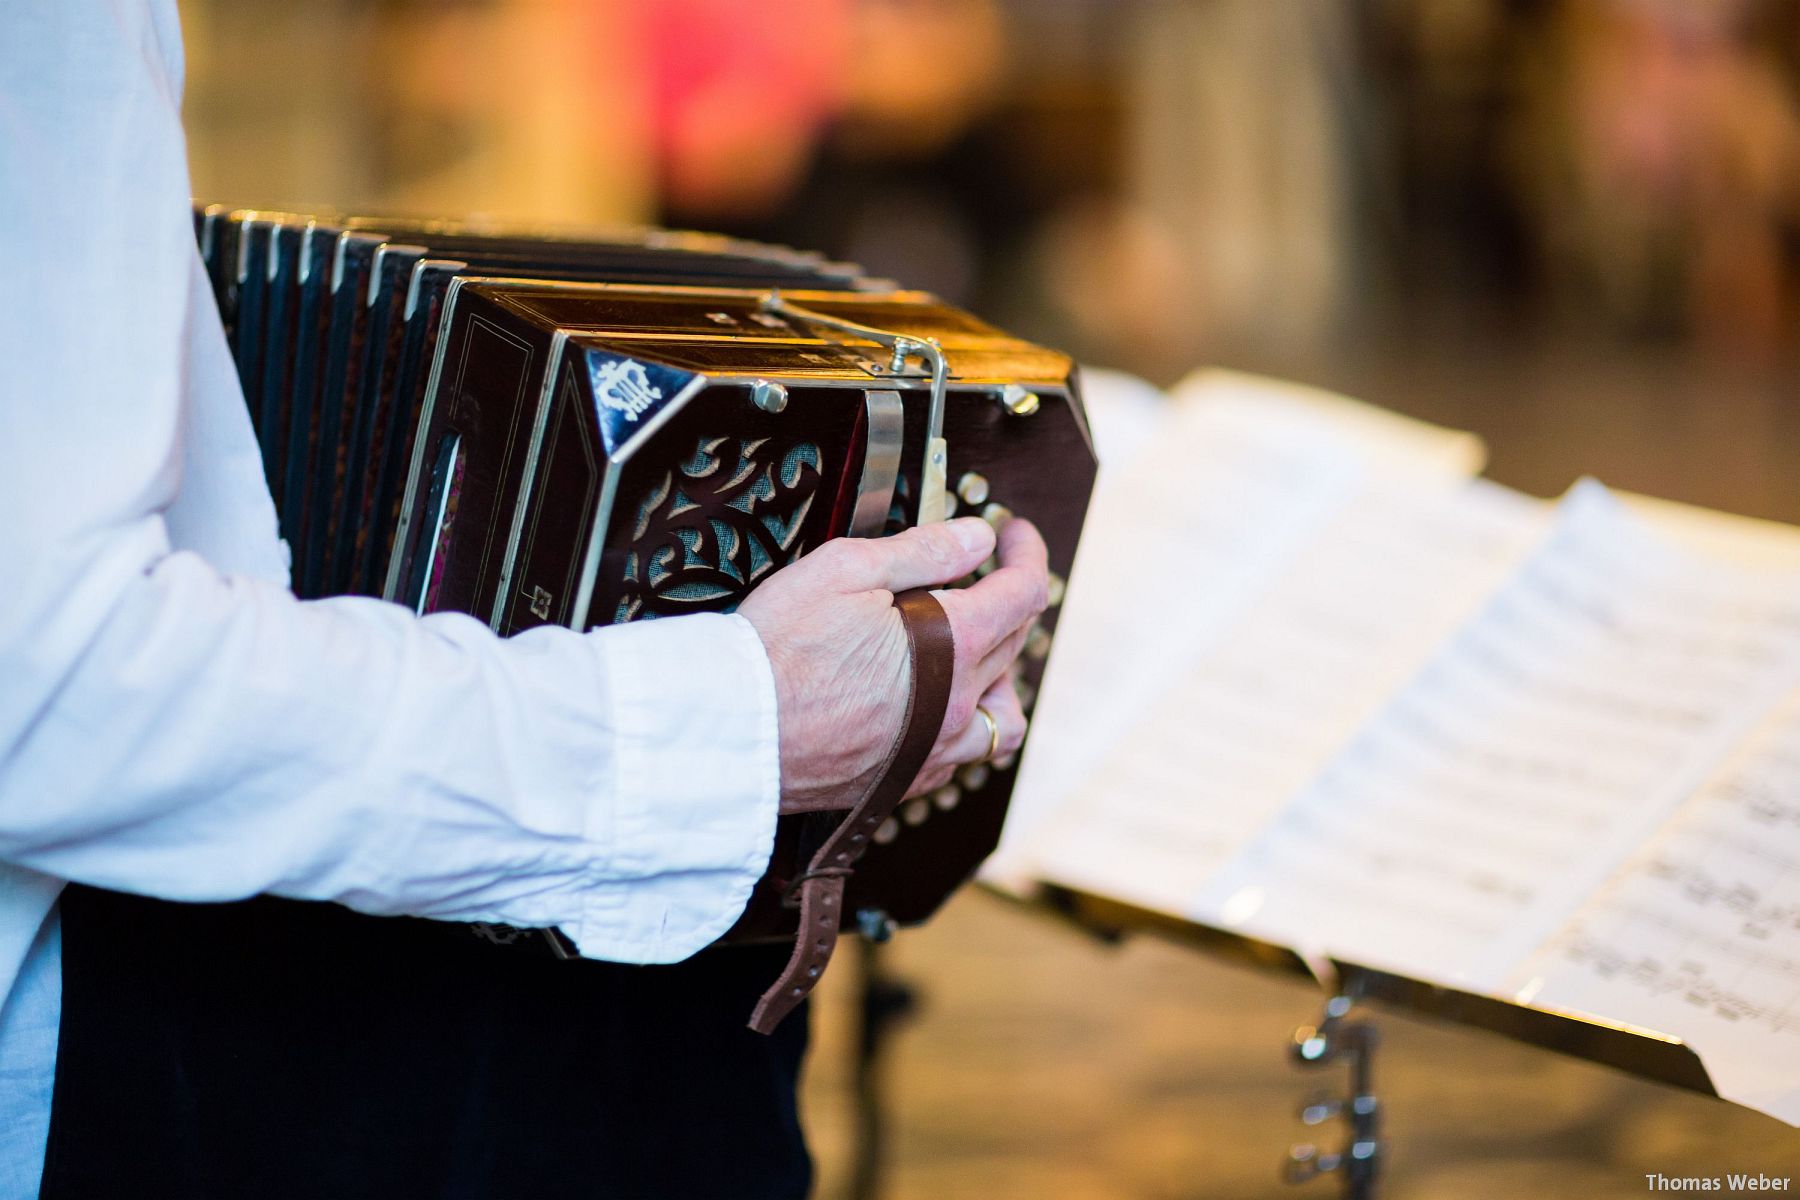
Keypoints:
pixel 769 396
pixel 1019 401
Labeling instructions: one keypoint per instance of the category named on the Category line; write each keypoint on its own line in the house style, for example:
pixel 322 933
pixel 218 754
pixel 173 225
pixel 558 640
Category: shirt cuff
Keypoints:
pixel 695 792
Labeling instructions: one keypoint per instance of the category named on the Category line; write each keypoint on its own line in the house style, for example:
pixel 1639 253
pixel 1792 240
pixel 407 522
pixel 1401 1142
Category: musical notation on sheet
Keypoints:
pixel 1698 935
pixel 1524 762
pixel 1235 481
pixel 1203 538
pixel 1687 980
pixel 1416 721
pixel 1264 706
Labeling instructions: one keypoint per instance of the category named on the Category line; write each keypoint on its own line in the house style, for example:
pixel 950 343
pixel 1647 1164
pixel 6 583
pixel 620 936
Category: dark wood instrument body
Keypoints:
pixel 536 501
pixel 581 431
pixel 1042 468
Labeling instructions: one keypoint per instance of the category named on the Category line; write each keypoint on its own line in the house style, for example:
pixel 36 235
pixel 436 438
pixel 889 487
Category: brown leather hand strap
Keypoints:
pixel 821 885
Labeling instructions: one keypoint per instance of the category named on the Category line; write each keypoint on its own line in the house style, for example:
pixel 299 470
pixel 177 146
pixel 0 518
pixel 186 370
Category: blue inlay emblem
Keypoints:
pixel 627 393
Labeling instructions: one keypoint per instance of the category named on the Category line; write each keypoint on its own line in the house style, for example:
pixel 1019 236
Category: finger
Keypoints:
pixel 974 681
pixel 1003 701
pixel 1021 545
pixel 970 743
pixel 924 556
pixel 933 776
pixel 987 613
pixel 998 660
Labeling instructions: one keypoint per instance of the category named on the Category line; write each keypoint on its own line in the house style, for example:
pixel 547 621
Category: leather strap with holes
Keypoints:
pixel 821 885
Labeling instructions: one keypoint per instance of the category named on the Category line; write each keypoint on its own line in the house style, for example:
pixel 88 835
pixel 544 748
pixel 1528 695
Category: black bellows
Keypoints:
pixel 333 324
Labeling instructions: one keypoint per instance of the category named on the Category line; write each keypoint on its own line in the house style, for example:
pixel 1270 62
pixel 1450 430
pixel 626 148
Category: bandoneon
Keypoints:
pixel 582 430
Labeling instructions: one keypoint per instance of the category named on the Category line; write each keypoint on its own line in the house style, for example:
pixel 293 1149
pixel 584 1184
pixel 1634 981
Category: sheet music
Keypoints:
pixel 1379 436
pixel 1417 724
pixel 1722 537
pixel 1262 709
pixel 1236 478
pixel 1699 935
pixel 1502 784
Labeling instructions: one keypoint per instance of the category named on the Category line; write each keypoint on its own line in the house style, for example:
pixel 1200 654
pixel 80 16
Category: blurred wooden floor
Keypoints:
pixel 1044 1064
pixel 1049 1066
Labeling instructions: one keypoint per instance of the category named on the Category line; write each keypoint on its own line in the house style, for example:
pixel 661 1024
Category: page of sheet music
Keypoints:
pixel 1380 436
pixel 1698 936
pixel 1187 534
pixel 1227 491
pixel 1261 709
pixel 1720 536
pixel 1543 742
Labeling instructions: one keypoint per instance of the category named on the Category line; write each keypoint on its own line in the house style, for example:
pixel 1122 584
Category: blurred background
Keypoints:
pixel 1572 226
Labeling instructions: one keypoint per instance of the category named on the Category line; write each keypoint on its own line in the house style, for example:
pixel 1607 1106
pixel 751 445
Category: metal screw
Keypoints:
pixel 769 396
pixel 1019 401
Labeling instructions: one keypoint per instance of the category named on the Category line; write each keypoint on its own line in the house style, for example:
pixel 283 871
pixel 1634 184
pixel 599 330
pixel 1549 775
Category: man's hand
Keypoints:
pixel 839 652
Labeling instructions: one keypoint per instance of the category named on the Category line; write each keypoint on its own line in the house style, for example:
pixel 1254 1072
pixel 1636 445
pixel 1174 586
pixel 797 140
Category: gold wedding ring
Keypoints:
pixel 993 733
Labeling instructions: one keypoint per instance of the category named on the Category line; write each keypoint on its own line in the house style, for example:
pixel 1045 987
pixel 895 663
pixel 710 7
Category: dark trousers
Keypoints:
pixel 274 1049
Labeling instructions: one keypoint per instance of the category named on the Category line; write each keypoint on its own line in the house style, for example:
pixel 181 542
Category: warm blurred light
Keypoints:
pixel 1661 155
pixel 1573 225
pixel 740 93
pixel 923 70
pixel 1154 182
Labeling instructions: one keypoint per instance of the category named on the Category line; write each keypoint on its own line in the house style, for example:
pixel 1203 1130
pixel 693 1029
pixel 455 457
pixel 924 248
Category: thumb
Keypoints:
pixel 927 555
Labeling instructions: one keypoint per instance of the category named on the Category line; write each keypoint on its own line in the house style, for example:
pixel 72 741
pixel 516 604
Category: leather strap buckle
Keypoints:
pixel 820 888
pixel 790 895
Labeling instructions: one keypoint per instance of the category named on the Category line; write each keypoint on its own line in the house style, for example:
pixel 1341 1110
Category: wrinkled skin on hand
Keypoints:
pixel 840 658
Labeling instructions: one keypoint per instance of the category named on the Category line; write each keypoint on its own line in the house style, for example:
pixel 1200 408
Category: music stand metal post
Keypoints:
pixel 883 1002
pixel 1337 1039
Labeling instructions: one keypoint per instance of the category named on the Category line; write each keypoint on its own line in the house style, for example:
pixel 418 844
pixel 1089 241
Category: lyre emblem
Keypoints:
pixel 624 386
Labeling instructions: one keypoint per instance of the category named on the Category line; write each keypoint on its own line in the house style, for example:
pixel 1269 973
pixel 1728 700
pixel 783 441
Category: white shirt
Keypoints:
pixel 174 722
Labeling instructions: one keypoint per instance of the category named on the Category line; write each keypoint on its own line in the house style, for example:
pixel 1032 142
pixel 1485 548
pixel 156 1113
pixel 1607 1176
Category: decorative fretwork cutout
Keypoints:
pixel 717 524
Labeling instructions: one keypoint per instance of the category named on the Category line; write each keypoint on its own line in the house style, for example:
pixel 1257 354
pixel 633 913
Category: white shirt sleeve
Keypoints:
pixel 174 722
